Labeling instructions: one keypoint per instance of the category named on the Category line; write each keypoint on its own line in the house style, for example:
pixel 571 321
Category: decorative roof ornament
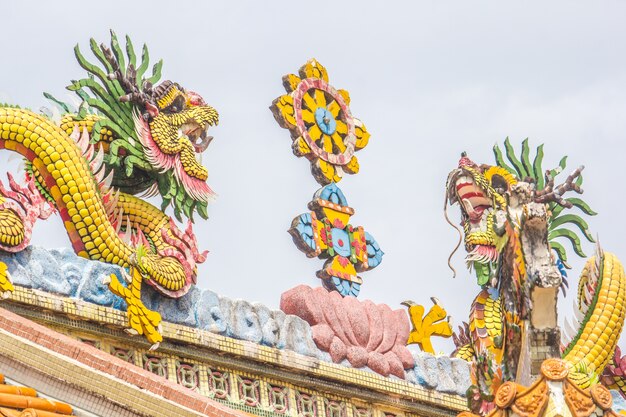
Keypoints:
pixel 320 122
pixel 435 322
pixel 554 393
pixel 511 214
pixel 327 234
pixel 325 132
pixel 130 138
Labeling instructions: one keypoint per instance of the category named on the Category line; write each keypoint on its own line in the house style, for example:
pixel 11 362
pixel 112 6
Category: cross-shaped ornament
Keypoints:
pixel 326 233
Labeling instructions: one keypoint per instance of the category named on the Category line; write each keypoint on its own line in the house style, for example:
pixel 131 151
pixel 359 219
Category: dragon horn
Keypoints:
pixel 143 99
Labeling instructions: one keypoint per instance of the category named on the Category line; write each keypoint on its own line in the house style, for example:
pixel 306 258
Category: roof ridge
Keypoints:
pixel 110 365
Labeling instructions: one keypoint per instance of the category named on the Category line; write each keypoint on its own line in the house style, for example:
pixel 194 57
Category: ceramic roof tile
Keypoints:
pixel 17 401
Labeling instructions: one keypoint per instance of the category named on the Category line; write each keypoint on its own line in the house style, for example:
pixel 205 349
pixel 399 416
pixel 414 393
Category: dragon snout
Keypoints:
pixel 202 142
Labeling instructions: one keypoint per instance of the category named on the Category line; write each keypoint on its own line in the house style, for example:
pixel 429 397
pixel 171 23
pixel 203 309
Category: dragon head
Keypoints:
pixel 489 199
pixel 182 113
pixel 153 132
pixel 480 192
pixel 173 129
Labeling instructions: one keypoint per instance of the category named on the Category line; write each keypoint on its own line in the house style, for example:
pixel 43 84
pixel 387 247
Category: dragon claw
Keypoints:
pixel 6 286
pixel 127 278
pixel 141 320
pixel 436 322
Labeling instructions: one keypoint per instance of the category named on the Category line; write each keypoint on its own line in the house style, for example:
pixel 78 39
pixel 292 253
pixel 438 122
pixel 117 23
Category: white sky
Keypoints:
pixel 429 79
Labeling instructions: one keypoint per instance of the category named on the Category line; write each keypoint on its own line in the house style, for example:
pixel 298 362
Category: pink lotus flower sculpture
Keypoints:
pixel 365 333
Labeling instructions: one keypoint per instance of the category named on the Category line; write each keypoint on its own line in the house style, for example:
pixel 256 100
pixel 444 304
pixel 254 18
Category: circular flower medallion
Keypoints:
pixel 554 369
pixel 602 396
pixel 321 124
pixel 332 140
pixel 506 394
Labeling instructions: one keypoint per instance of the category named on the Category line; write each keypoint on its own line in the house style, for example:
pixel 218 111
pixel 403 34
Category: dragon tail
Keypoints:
pixel 602 300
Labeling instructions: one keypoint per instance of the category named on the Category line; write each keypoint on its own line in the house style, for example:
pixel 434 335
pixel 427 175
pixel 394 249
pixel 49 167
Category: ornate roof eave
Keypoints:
pixel 553 394
pixel 72 316
pixel 77 373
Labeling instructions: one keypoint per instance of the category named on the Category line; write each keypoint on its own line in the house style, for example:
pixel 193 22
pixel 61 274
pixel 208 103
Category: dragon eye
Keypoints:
pixel 177 105
pixel 499 184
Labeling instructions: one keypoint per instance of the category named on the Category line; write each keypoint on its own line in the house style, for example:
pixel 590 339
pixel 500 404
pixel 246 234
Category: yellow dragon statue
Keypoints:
pixel 130 135
pixel 512 216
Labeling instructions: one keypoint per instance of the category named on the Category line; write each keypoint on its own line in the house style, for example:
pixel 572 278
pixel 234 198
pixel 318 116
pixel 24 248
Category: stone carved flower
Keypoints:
pixel 320 122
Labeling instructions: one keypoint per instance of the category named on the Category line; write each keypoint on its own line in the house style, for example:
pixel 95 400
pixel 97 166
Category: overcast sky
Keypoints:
pixel 429 79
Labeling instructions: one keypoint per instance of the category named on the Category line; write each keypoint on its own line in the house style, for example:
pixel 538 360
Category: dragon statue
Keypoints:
pixel 130 136
pixel 512 215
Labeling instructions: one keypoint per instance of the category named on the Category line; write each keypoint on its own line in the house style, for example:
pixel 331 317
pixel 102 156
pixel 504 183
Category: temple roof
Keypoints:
pixel 202 317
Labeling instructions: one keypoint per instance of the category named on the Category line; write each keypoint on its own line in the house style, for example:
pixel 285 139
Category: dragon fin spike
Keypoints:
pixel 596 271
pixel 116 198
pixel 83 141
pixel 118 222
pixel 127 238
pixel 97 160
pixel 564 333
pixel 139 126
pixel 568 328
pixel 111 202
pixel 107 195
pixel 75 135
pixel 128 233
pixel 137 236
pixel 89 153
pixel 105 185
pixel 599 250
pixel 150 192
pixel 99 175
pixel 564 339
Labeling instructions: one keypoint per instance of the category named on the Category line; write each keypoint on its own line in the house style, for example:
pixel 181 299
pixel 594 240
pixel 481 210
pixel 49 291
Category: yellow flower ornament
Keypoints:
pixel 321 125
